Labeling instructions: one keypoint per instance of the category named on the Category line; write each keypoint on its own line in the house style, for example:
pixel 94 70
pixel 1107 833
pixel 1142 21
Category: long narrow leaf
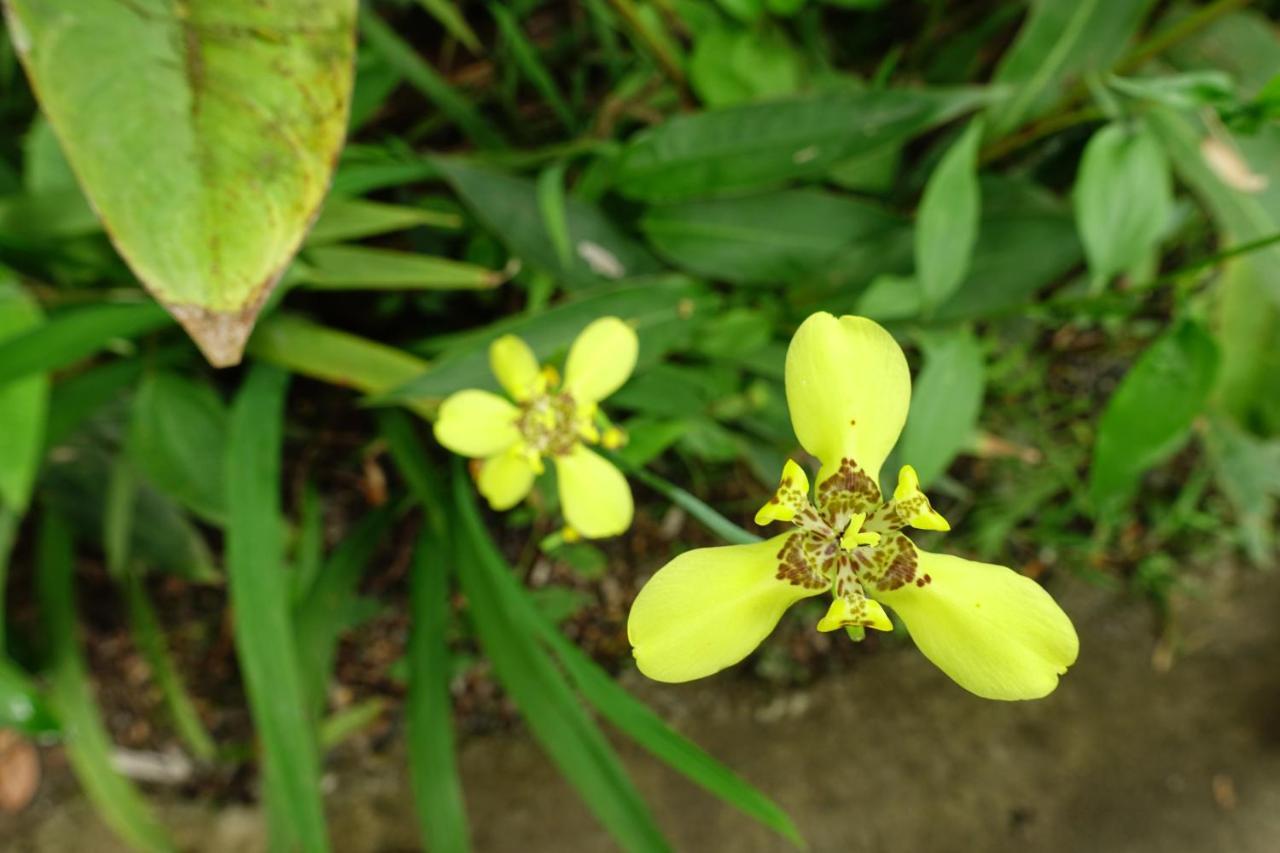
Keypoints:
pixel 433 767
pixel 88 745
pixel 259 594
pixel 67 337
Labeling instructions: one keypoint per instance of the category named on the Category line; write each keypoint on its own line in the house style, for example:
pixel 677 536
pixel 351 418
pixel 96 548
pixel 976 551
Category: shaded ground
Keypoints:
pixel 1124 757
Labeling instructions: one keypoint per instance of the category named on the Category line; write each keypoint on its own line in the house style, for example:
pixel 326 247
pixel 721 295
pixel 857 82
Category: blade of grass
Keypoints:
pixel 259 593
pixel 556 717
pixel 433 768
pixel 343 724
pixel 710 519
pixel 531 65
pixel 71 335
pixel 323 614
pixel 149 636
pixel 424 78
pixel 308 551
pixel 552 207
pixel 88 746
pixel 450 17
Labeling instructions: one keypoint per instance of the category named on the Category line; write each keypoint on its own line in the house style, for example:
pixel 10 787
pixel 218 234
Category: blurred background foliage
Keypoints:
pixel 1069 213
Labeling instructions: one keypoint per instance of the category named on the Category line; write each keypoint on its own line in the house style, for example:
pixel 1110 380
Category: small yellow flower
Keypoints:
pixel 995 632
pixel 549 419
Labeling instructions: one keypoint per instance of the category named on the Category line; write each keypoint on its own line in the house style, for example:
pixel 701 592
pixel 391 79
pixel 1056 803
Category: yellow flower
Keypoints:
pixel 995 632
pixel 549 419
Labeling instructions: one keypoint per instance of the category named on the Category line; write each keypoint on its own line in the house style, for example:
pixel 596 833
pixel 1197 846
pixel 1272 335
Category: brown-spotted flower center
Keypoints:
pixel 849 540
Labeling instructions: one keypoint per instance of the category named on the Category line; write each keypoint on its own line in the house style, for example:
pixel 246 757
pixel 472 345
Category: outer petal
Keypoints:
pixel 709 608
pixel 505 479
pixel 600 360
pixel 516 367
pixel 848 389
pixel 476 423
pixel 995 632
pixel 595 496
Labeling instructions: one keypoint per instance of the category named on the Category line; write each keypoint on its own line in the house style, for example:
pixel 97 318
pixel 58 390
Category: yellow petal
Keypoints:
pixel 855 611
pixel 995 632
pixel 600 360
pixel 505 479
pixel 476 423
pixel 848 389
pixel 594 495
pixel 516 367
pixel 791 497
pixel 709 608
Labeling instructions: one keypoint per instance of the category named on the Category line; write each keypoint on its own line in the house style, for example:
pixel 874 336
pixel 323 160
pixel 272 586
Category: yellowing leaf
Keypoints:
pixel 204 133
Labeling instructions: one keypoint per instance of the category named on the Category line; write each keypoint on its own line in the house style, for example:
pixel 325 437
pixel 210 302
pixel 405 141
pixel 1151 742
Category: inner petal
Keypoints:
pixel 845 493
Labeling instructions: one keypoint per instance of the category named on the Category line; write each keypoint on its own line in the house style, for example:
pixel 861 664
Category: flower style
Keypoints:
pixel 995 632
pixel 549 419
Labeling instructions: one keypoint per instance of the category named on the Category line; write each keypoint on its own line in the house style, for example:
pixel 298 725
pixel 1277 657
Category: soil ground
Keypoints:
pixel 1143 748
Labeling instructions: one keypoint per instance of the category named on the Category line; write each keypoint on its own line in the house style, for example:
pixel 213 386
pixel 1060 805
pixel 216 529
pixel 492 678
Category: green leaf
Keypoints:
pixel 699 509
pixel 433 762
pixel 773 238
pixel 451 18
pixel 945 403
pixel 353 218
pixel 555 716
pixel 338 358
pixel 1248 472
pixel 259 593
pixel 68 336
pixel 71 695
pixel 402 56
pixel 235 112
pixel 661 311
pixel 1150 414
pixel 758 146
pixel 1123 198
pixel 149 637
pixel 731 65
pixel 21 705
pixel 509 207
pixel 551 204
pixel 332 606
pixel 366 268
pixel 947 223
pixel 23 409
pixel 1248 326
pixel 178 441
pixel 1059 44
pixel 1189 91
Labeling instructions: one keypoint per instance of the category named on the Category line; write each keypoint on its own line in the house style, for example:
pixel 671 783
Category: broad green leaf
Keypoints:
pixel 433 762
pixel 351 219
pixel 1248 472
pixel 1150 414
pixel 731 65
pixel 1123 198
pixel 23 408
pixel 21 705
pixel 345 267
pixel 773 238
pixel 1058 45
pixel 946 399
pixel 508 206
pixel 178 441
pixel 1242 216
pixel 664 312
pixel 71 696
pixel 70 335
pixel 761 145
pixel 947 222
pixel 259 592
pixel 1248 328
pixel 204 134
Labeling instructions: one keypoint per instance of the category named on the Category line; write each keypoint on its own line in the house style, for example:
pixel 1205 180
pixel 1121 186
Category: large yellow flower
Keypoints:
pixel 549 419
pixel 995 632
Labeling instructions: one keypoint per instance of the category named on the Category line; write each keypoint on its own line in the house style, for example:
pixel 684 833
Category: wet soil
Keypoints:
pixel 1149 745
